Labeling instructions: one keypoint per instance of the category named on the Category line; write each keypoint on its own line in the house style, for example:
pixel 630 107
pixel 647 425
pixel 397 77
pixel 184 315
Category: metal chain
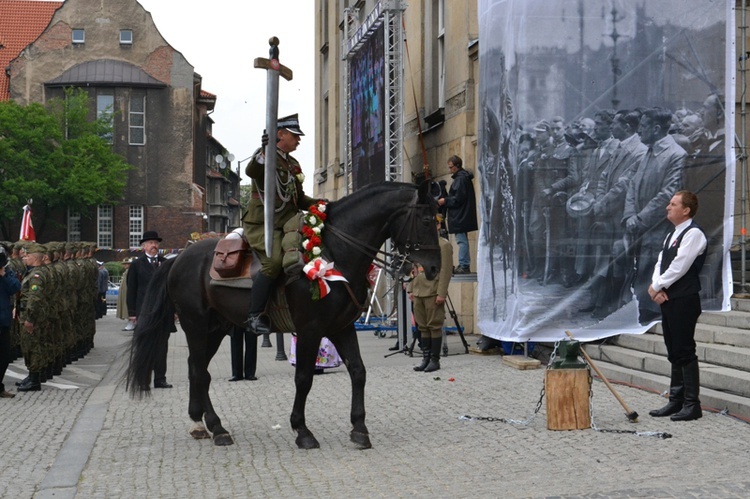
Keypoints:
pixel 527 421
pixel 519 422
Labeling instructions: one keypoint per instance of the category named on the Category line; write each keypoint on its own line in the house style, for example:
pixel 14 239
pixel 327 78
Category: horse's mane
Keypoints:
pixel 370 191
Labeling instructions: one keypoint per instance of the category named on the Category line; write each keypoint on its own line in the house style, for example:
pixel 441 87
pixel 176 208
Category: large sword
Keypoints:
pixel 273 69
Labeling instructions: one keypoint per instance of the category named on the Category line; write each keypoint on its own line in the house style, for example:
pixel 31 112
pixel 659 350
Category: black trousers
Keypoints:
pixel 160 366
pixel 679 316
pixel 5 354
pixel 247 368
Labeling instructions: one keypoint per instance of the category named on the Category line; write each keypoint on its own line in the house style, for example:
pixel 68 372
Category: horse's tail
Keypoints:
pixel 154 325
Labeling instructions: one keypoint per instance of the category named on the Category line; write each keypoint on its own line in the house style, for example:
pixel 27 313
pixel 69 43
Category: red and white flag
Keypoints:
pixel 27 228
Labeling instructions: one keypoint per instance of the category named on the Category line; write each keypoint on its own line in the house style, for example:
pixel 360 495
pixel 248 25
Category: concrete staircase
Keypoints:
pixel 723 345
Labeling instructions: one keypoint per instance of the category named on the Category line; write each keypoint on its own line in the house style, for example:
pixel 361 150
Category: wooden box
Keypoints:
pixel 567 398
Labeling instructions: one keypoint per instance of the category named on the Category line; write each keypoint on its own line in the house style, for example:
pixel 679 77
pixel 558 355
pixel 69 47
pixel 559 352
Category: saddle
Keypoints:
pixel 233 260
pixel 234 265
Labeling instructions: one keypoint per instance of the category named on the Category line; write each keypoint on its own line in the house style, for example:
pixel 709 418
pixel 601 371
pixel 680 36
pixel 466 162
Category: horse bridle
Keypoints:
pixel 395 257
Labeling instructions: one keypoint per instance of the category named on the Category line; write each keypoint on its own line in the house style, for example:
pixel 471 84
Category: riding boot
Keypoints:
pixel 676 395
pixel 257 323
pixel 426 345
pixel 434 363
pixel 31 384
pixel 691 408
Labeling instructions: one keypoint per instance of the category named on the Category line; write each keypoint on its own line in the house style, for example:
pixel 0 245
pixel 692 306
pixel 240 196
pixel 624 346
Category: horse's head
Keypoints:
pixel 414 232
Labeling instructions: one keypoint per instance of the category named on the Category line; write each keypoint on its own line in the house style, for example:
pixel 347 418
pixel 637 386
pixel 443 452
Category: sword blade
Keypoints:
pixel 269 177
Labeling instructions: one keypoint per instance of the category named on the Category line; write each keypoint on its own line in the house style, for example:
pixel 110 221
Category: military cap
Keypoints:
pixel 32 247
pixel 71 247
pixel 542 126
pixel 290 123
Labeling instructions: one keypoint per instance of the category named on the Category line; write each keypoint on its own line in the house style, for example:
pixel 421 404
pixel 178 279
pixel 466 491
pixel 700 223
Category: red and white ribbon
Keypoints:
pixel 322 271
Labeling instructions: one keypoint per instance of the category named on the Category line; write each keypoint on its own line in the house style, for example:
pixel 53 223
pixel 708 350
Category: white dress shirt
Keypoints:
pixel 692 245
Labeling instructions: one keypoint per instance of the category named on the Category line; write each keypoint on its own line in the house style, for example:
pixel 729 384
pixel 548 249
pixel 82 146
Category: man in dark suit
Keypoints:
pixel 139 275
pixel 655 181
pixel 675 287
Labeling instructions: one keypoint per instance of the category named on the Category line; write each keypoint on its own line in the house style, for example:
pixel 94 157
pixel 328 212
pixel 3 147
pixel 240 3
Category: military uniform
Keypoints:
pixel 289 200
pixel 34 310
pixel 427 313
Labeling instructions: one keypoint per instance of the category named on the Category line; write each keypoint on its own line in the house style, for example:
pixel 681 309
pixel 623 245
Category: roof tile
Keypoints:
pixel 21 22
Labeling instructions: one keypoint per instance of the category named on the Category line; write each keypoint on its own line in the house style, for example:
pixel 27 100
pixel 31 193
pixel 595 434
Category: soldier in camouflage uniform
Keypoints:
pixel 34 316
pixel 71 267
pixel 19 268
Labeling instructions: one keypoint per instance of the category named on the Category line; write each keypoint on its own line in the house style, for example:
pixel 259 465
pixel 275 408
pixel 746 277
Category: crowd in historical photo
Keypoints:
pixel 593 191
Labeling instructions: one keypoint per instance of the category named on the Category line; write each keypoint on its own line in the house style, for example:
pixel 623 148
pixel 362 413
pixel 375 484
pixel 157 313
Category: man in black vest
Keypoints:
pixel 675 287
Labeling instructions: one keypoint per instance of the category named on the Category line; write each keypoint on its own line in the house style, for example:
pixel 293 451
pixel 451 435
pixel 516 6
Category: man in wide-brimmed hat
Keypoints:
pixel 141 271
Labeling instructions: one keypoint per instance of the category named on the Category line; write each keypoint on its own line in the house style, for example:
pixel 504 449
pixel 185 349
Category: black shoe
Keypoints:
pixel 31 384
pixel 673 407
pixel 257 324
pixel 235 378
pixel 162 384
pixel 251 378
pixel 394 347
pixel 461 270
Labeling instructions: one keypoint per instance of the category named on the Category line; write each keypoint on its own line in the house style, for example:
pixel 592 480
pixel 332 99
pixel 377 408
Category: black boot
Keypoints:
pixel 31 384
pixel 676 395
pixel 426 344
pixel 691 409
pixel 434 363
pixel 257 323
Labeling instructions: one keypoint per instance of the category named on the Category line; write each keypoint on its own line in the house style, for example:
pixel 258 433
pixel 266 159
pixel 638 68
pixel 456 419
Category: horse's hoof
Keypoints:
pixel 307 442
pixel 361 439
pixel 199 434
pixel 223 439
pixel 198 431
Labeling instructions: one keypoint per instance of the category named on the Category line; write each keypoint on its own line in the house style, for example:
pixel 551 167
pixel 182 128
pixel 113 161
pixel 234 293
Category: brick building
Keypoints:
pixel 159 112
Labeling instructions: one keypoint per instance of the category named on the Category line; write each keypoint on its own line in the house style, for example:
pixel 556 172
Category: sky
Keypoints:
pixel 221 39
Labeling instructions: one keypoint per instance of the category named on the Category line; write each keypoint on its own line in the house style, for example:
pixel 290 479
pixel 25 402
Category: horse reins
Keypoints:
pixel 372 252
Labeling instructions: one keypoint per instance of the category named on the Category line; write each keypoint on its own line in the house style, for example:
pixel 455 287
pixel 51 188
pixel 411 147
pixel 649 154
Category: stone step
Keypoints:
pixel 726 355
pixel 710 399
pixel 733 318
pixel 741 303
pixel 717 377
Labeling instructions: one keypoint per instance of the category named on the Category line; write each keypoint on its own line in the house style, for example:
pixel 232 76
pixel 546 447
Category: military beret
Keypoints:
pixel 32 247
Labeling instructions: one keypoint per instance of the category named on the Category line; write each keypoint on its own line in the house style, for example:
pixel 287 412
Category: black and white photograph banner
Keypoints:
pixel 592 115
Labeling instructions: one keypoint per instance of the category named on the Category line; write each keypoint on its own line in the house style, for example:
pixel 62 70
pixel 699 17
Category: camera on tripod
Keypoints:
pixel 437 191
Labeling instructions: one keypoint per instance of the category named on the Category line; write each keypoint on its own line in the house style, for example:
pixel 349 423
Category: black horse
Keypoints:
pixel 356 227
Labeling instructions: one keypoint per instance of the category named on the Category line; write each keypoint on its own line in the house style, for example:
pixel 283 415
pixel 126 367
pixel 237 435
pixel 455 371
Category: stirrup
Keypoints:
pixel 257 324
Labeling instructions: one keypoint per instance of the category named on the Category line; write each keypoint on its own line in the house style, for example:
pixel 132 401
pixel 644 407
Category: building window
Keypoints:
pixel 126 37
pixel 104 111
pixel 137 120
pixel 135 225
pixel 441 53
pixel 105 225
pixel 79 36
pixel 74 226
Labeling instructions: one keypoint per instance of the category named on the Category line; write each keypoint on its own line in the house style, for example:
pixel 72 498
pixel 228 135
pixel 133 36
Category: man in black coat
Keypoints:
pixel 462 211
pixel 139 275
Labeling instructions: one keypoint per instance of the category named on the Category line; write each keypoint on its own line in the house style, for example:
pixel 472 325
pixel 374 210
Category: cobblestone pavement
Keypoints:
pixel 82 436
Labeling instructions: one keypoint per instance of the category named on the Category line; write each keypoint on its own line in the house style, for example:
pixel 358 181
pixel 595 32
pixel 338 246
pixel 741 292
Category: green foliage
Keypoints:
pixel 57 157
pixel 245 191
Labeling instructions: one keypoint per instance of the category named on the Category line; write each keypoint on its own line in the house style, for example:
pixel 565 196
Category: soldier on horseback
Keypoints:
pixel 289 199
